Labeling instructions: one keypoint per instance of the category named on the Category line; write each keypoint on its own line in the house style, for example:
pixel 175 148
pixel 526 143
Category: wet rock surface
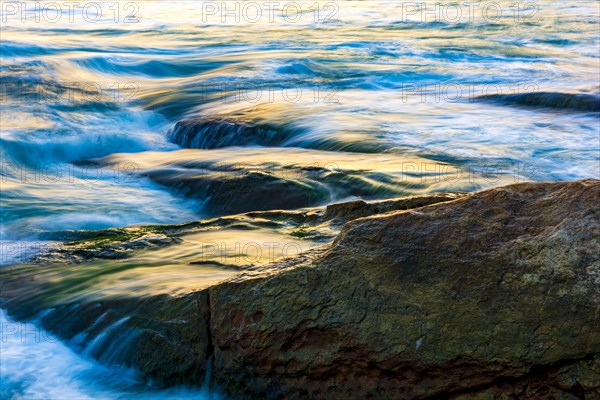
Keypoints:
pixel 165 337
pixel 490 295
pixel 214 132
pixel 496 294
pixel 272 125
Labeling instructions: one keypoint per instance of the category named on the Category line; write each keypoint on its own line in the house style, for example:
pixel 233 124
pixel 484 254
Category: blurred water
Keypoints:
pixel 328 77
pixel 360 76
pixel 36 365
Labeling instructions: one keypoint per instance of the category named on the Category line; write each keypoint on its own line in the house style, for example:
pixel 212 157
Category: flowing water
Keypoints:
pixel 36 365
pixel 148 112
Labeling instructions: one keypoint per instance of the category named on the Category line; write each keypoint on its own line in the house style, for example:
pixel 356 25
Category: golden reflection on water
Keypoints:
pixel 230 248
pixel 404 173
pixel 202 259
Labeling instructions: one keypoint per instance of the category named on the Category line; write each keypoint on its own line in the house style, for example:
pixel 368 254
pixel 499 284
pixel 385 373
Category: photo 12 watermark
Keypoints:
pixel 454 92
pixel 14 252
pixel 54 12
pixel 269 12
pixel 457 12
pixel 24 332
pixel 31 91
pixel 251 93
pixel 54 172
pixel 248 253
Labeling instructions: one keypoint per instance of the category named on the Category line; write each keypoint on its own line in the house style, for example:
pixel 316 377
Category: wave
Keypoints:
pixel 71 148
pixel 17 49
pixel 52 121
pixel 140 66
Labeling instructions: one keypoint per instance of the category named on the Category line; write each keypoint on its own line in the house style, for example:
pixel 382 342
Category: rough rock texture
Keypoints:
pixel 164 337
pixel 496 294
pixel 493 295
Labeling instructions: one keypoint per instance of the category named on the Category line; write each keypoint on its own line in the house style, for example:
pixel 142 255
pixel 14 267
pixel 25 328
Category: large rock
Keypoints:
pixel 154 317
pixel 493 294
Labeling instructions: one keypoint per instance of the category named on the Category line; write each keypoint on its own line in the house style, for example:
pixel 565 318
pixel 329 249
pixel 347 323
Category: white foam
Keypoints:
pixel 36 365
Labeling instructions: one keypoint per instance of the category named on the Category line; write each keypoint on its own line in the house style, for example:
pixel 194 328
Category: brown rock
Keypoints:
pixel 493 294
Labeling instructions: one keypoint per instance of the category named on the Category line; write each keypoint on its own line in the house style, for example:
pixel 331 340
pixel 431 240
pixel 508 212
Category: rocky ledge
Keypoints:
pixel 491 295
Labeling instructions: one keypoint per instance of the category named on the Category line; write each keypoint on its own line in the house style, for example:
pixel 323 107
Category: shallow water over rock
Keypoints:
pixel 234 180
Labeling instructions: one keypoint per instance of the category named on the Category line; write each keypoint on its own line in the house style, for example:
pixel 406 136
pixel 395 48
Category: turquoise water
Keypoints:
pixel 90 104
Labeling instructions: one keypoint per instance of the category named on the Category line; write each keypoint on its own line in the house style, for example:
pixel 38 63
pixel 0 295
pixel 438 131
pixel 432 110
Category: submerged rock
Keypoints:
pixel 216 132
pixel 319 223
pixel 275 124
pixel 237 180
pixel 569 101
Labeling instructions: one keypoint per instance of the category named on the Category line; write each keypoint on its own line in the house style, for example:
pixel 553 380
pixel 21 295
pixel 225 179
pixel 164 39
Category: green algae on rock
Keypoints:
pixel 319 224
